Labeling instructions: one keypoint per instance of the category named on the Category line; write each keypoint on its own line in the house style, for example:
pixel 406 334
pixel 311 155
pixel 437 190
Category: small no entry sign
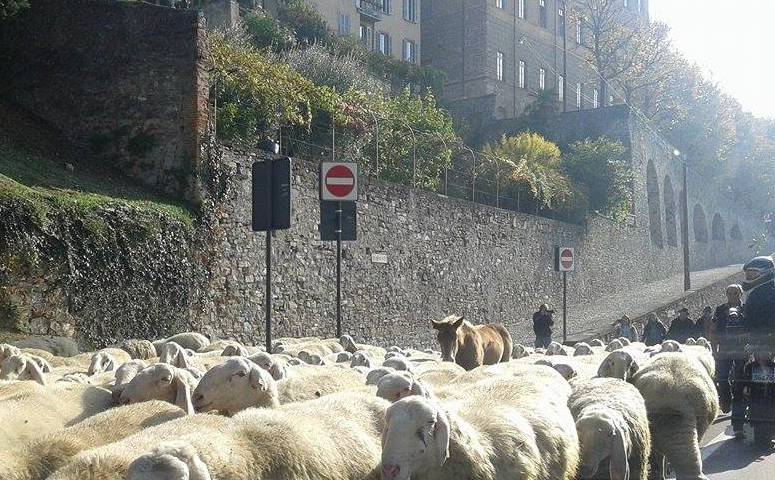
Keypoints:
pixel 339 182
pixel 567 259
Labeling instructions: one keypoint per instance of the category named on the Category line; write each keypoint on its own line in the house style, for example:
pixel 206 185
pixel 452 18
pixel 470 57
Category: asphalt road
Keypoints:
pixel 725 458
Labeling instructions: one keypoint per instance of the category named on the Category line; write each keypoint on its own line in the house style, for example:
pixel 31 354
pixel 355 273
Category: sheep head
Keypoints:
pixel 603 435
pixel 556 348
pixel 690 341
pixel 361 358
pixel 235 385
pixel 582 349
pixel 23 367
pixel 519 351
pixel 348 343
pixel 160 382
pixel 169 461
pixel 234 350
pixel 7 350
pixel 597 343
pixel 398 363
pixel 275 366
pixel 614 345
pixel 175 355
pixel 102 362
pixel 618 364
pixel 397 385
pixel 624 341
pixel 670 346
pixel 374 375
pixel 415 438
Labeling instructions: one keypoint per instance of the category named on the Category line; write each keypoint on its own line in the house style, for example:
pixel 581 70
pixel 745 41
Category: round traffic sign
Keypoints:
pixel 566 258
pixel 340 181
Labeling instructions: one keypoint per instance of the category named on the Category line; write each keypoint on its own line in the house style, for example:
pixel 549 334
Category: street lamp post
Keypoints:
pixel 685 221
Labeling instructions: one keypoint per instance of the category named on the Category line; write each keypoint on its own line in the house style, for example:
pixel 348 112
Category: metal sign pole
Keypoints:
pixel 338 269
pixel 564 307
pixel 268 298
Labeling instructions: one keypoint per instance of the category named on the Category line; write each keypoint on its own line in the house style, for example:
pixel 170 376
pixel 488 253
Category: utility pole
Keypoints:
pixel 685 222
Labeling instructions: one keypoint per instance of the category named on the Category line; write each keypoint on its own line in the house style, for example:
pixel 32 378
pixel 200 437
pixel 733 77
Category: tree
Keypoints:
pixel 596 167
pixel 9 8
pixel 612 34
pixel 529 160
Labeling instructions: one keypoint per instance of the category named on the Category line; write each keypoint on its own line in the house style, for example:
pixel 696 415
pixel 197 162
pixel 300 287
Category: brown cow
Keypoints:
pixel 470 345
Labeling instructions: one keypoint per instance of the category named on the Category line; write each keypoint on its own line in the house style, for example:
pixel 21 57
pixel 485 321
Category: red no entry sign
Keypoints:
pixel 339 181
pixel 567 259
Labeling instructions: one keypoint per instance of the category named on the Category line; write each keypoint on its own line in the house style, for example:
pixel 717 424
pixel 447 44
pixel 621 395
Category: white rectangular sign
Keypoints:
pixel 339 181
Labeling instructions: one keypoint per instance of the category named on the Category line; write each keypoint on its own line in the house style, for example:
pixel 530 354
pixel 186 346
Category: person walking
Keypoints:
pixel 704 324
pixel 654 332
pixel 729 352
pixel 626 329
pixel 542 326
pixel 682 327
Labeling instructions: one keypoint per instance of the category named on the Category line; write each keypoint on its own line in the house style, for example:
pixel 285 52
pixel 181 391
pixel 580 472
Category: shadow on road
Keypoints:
pixel 734 455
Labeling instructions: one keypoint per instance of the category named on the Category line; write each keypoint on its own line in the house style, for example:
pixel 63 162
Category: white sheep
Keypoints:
pixel 107 360
pixel 519 351
pixel 567 370
pixel 612 424
pixel 191 340
pixel 7 350
pixel 361 358
pixel 234 350
pixel 339 357
pixel 316 381
pixel 234 386
pixel 614 345
pixel 670 346
pixel 556 348
pixel 624 341
pixel 582 348
pixel 690 341
pixel 23 367
pixel 293 441
pixel 40 457
pixel 124 374
pixel 496 429
pixel 597 343
pixel 375 374
pixel 139 349
pixel 349 345
pixel 703 342
pixel 274 364
pixel 622 364
pixel 43 409
pixel 398 363
pixel 397 385
pixel 161 382
pixel 681 401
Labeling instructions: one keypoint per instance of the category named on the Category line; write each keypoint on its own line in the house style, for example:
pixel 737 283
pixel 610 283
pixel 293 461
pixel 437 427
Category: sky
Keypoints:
pixel 732 40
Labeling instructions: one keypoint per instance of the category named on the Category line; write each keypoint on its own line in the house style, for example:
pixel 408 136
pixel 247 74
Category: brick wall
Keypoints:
pixel 123 80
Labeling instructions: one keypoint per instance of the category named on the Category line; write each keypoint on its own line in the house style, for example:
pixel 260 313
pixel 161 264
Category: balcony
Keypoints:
pixel 370 10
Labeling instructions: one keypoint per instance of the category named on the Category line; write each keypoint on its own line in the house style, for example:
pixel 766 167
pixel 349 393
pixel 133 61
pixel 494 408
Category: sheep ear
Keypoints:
pixel 441 437
pixel 619 469
pixel 34 371
pixel 257 382
pixel 183 396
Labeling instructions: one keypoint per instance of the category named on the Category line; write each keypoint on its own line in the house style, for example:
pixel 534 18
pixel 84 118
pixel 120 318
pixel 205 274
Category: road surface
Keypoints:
pixel 725 458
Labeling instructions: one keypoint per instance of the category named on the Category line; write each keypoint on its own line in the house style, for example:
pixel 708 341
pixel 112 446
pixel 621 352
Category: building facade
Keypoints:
pixel 388 26
pixel 499 55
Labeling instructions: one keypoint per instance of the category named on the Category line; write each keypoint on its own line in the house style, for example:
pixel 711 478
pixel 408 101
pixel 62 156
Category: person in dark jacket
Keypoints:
pixel 654 332
pixel 729 351
pixel 759 309
pixel 542 326
pixel 682 327
pixel 703 324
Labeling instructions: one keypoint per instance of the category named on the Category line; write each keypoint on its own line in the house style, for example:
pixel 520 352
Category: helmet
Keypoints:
pixel 761 264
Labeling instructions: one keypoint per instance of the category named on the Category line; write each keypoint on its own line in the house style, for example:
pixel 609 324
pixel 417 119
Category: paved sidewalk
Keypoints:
pixel 586 319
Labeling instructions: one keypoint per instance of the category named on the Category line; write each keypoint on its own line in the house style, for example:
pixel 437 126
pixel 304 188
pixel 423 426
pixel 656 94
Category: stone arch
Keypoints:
pixel 670 212
pixel 700 224
pixel 735 233
pixel 655 215
pixel 718 232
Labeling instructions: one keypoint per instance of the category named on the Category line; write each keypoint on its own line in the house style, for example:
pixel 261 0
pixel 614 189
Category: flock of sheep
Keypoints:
pixel 186 408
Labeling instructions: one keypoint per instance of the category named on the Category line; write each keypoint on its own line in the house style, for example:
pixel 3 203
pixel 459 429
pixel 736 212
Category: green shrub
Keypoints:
pixel 267 33
pixel 9 8
pixel 597 168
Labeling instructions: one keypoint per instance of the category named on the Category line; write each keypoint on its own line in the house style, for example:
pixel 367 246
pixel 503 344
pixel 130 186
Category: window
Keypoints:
pixel 499 65
pixel 578 32
pixel 385 44
pixel 522 74
pixel 561 16
pixel 410 51
pixel 578 95
pixel 521 9
pixel 595 98
pixel 500 4
pixel 410 10
pixel 387 7
pixel 542 9
pixel 561 88
pixel 626 3
pixel 344 24
pixel 542 79
pixel 367 37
